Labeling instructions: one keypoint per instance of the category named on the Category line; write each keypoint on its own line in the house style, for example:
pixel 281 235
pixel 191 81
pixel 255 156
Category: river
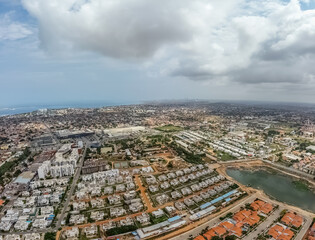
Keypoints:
pixel 280 187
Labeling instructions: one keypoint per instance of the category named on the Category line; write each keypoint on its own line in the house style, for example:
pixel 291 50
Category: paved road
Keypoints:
pixel 290 169
pixel 196 231
pixel 72 188
pixel 304 229
pixel 263 226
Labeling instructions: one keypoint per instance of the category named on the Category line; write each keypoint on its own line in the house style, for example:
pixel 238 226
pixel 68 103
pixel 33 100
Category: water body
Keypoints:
pixel 26 109
pixel 277 186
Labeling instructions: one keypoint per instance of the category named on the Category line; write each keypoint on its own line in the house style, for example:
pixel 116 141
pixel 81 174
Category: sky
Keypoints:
pixel 114 51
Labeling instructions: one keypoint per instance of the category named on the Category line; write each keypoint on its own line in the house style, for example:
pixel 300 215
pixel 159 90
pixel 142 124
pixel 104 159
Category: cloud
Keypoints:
pixel 12 30
pixel 248 42
pixel 114 28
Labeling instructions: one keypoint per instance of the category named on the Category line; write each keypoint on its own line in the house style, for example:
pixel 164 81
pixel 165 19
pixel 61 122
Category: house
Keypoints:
pixel 40 223
pixel 130 195
pixel 176 194
pixel 204 195
pixel 47 210
pixel 143 219
pixel 186 191
pixel 191 176
pixel 183 179
pixel 77 219
pixel 117 212
pixel 96 191
pixel 189 202
pixel 279 231
pixel 108 190
pixel 197 198
pixel 5 226
pixel 32 236
pixel 153 188
pixel 218 189
pixel 77 206
pixel 109 225
pixel 72 233
pixel 261 207
pixel 174 182
pixel 126 222
pixel 162 178
pixel 97 203
pixel 120 188
pixel 131 186
pixel 21 225
pixel 12 237
pixel 114 199
pixel 292 219
pixel 151 180
pixel 180 205
pixel 199 237
pixel 212 192
pixel 170 210
pixel 97 215
pixel 165 185
pixel 161 199
pixel 90 231
pixel 158 213
pixel 136 206
pixel 195 187
pixel 171 175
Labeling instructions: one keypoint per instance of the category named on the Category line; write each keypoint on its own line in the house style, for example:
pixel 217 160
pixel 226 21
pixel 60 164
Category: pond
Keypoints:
pixel 281 187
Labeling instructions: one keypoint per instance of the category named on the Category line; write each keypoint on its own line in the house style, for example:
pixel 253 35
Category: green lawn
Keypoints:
pixel 227 157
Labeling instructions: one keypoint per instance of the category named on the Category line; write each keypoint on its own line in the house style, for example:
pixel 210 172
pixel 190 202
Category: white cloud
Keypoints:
pixel 234 40
pixel 11 30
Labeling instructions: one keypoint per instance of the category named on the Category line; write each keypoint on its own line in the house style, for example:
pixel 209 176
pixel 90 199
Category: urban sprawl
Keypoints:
pixel 153 171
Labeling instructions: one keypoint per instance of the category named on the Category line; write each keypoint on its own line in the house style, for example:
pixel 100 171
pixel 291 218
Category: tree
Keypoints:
pixel 230 237
pixel 216 238
pixel 50 236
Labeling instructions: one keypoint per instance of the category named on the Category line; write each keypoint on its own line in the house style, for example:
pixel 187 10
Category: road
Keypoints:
pixel 277 165
pixel 195 230
pixel 72 188
pixel 304 229
pixel 290 169
pixel 144 196
pixel 264 225
pixel 212 221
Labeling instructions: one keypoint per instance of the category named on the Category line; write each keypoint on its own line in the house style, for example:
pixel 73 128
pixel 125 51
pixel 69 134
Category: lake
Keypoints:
pixel 280 187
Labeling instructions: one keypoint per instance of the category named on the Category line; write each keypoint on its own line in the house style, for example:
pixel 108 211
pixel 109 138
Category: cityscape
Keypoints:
pixel 185 170
pixel 157 120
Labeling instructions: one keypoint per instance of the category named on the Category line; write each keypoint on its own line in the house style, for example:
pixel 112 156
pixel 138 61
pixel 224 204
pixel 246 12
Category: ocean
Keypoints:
pixel 4 111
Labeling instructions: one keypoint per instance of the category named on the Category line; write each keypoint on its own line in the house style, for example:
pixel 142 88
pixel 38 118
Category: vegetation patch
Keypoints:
pixel 120 230
pixel 188 156
pixel 169 128
pixel 50 236
pixel 301 185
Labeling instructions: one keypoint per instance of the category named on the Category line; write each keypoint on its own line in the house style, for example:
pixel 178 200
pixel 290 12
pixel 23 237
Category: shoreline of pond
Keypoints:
pixel 297 184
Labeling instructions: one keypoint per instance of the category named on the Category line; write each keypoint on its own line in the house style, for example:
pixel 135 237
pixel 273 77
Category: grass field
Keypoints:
pixel 169 128
pixel 226 157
